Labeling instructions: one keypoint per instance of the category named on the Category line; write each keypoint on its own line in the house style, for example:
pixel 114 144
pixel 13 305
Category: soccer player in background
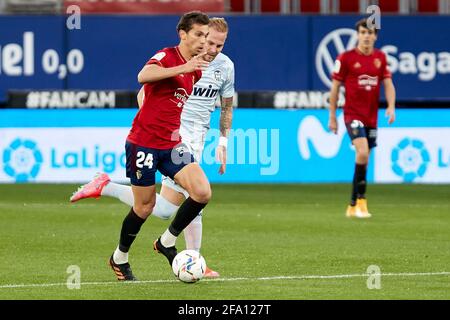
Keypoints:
pixel 217 79
pixel 361 70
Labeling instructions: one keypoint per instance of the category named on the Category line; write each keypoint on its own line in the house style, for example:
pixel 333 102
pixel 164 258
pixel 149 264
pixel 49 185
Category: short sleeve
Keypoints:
pixel 227 90
pixel 340 69
pixel 160 58
pixel 386 73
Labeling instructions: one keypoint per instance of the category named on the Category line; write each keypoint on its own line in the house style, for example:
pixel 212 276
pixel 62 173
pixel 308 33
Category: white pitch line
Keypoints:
pixel 303 277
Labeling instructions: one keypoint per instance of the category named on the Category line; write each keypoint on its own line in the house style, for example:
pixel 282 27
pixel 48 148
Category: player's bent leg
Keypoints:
pixel 144 200
pixel 163 208
pixel 173 193
pixel 120 192
pixel 101 185
pixel 192 178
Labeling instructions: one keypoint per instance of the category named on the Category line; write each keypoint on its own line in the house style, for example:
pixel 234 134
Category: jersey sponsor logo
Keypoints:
pixel 377 63
pixel 205 92
pixel 367 82
pixel 181 95
pixel 22 160
pixel 426 65
pixel 159 56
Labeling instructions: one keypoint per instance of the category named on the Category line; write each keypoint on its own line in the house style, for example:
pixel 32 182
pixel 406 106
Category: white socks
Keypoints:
pixel 168 239
pixel 119 191
pixel 120 257
pixel 193 233
pixel 164 209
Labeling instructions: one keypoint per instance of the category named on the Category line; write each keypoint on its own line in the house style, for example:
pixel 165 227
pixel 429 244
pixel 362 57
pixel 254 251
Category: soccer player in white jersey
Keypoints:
pixel 217 79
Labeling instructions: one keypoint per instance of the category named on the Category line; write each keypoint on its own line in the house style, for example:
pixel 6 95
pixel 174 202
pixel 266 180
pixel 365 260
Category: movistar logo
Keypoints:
pixel 22 160
pixel 311 134
pixel 206 92
pixel 410 159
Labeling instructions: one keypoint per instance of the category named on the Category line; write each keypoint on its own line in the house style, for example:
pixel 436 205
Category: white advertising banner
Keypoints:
pixel 62 154
pixel 419 155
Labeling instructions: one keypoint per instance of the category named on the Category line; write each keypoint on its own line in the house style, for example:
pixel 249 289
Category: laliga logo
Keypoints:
pixel 410 159
pixel 333 42
pixel 22 160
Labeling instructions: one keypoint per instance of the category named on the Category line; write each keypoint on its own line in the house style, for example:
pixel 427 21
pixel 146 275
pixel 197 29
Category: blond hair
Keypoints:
pixel 219 24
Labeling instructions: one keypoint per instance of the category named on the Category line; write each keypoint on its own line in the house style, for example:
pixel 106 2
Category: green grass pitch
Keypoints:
pixel 267 241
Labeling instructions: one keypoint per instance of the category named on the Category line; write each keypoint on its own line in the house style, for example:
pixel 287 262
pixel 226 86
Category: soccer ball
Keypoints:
pixel 189 266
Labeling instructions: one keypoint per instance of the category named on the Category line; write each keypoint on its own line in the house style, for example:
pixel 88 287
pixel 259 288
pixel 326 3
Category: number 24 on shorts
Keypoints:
pixel 144 160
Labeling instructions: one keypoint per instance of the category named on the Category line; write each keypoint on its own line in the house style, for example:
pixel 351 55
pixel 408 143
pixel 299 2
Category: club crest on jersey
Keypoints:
pixel 181 150
pixel 138 174
pixel 217 75
pixel 356 125
pixel 357 65
pixel 377 63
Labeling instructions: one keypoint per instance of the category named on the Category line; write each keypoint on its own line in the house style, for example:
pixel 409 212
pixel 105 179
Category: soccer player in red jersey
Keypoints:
pixel 155 144
pixel 361 70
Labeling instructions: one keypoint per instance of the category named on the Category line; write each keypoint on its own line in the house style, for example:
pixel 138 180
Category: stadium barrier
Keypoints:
pixel 265 146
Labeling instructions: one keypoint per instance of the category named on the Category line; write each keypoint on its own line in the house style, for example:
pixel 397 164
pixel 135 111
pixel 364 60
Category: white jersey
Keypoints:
pixel 217 80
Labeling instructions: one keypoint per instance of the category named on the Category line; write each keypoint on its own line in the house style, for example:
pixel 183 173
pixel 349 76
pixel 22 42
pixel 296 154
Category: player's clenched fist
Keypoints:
pixel 196 63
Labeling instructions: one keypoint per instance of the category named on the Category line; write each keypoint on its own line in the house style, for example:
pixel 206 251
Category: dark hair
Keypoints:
pixel 189 19
pixel 363 23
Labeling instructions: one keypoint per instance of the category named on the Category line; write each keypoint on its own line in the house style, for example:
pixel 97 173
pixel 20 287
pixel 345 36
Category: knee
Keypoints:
pixel 201 194
pixel 144 209
pixel 362 156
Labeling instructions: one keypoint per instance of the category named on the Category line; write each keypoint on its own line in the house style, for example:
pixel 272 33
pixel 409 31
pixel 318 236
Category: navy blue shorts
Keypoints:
pixel 356 129
pixel 143 162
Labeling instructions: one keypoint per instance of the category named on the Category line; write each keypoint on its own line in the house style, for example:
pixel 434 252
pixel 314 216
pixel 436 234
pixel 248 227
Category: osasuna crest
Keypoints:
pixel 356 125
pixel 181 150
pixel 217 75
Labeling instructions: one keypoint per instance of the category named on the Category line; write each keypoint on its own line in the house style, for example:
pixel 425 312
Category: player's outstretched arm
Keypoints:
pixel 389 91
pixel 152 72
pixel 334 96
pixel 226 117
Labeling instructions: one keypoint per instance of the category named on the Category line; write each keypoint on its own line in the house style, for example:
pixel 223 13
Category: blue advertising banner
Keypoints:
pixel 265 146
pixel 32 53
pixel 417 50
pixel 280 53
